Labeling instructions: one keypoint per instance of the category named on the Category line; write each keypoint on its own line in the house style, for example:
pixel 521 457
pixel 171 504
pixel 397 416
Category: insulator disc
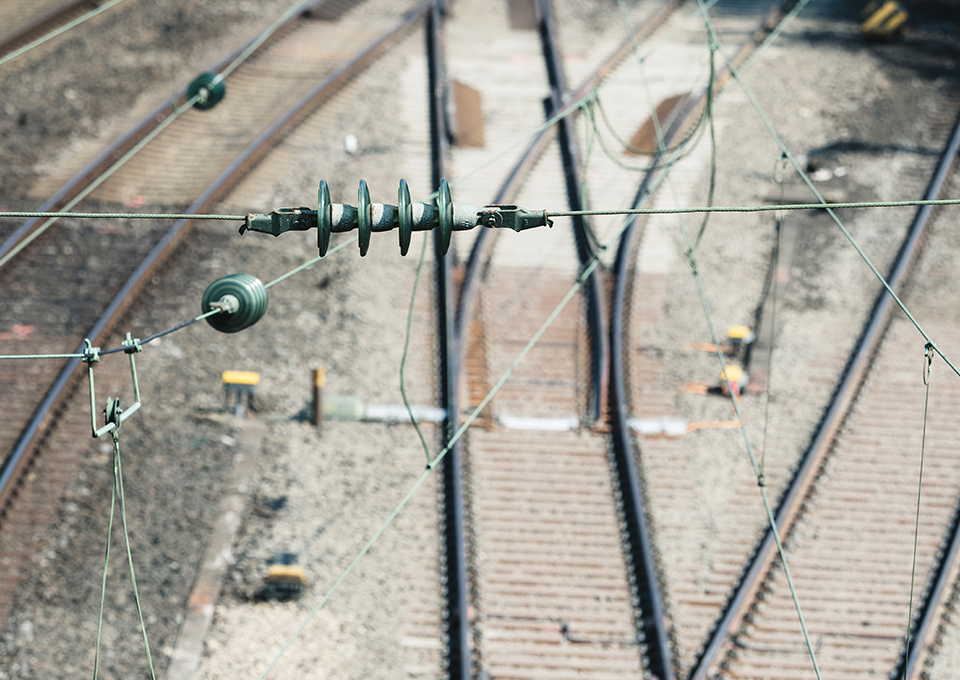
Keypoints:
pixel 445 208
pixel 324 218
pixel 364 217
pixel 249 291
pixel 216 89
pixel 404 216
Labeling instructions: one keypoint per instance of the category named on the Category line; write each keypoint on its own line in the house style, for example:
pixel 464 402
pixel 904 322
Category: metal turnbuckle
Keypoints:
pixel 449 216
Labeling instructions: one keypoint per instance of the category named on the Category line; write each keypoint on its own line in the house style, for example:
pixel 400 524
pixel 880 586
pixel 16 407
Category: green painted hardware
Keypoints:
pixel 114 415
pixel 364 218
pixel 324 218
pixel 241 299
pixel 404 216
pixel 407 217
pixel 210 89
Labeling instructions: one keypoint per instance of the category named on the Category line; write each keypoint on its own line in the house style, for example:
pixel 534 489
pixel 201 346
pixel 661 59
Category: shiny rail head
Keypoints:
pixel 448 215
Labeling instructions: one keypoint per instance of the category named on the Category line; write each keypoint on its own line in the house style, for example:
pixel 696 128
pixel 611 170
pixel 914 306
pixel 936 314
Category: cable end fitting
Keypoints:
pixel 512 217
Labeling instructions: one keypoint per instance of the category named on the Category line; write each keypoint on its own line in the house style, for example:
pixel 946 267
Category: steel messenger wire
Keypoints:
pixel 59 31
pixel 173 116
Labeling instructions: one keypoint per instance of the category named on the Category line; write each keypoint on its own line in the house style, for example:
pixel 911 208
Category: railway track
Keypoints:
pixel 109 269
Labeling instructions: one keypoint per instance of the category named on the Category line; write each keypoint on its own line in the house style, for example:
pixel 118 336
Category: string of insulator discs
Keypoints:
pixel 242 298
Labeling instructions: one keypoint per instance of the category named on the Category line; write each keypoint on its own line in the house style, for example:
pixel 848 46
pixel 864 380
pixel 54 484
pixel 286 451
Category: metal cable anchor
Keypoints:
pixel 406 216
pixel 114 415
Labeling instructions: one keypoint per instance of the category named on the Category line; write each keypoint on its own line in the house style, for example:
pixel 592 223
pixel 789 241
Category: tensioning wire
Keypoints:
pixel 581 279
pixel 59 31
pixel 927 368
pixel 549 213
pixel 830 208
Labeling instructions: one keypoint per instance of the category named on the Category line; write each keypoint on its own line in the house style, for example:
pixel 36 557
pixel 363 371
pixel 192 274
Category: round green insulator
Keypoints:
pixel 251 298
pixel 445 208
pixel 404 216
pixel 364 217
pixel 214 86
pixel 324 218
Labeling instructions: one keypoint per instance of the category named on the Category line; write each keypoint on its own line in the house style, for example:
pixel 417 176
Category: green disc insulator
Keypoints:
pixel 324 218
pixel 250 294
pixel 364 217
pixel 215 89
pixel 404 216
pixel 445 206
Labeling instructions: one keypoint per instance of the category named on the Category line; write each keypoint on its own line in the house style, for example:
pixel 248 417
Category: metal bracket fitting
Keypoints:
pixel 114 415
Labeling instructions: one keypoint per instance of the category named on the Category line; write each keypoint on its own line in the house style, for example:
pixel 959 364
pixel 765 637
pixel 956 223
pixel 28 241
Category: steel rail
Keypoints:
pixel 852 377
pixel 95 168
pixel 459 658
pixel 43 25
pixel 19 459
pixel 570 156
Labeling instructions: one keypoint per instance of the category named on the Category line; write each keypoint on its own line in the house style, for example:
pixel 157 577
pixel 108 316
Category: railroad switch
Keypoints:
pixel 406 216
pixel 240 383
